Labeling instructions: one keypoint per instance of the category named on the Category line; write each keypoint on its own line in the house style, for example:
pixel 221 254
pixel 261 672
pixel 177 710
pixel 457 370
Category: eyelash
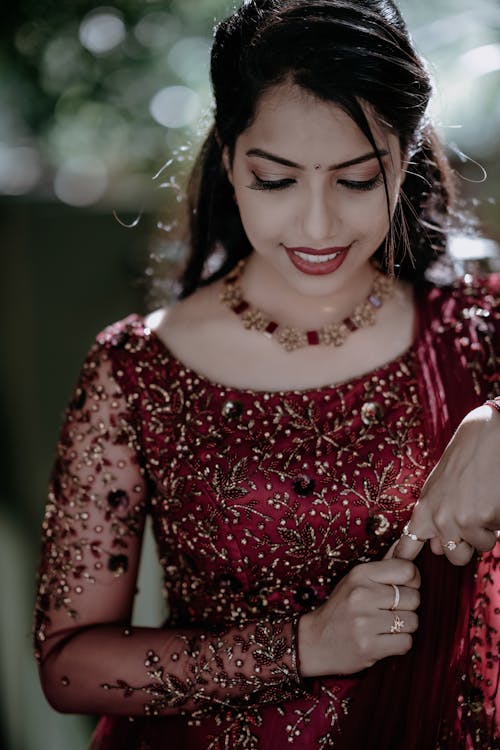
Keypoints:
pixel 270 184
pixel 364 185
pixel 349 184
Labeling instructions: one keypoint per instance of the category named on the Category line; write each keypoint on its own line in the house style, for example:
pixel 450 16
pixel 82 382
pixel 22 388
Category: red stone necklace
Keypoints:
pixel 292 338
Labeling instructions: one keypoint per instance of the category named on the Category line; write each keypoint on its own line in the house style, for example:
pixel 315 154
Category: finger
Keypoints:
pixel 408 549
pixel 481 539
pixel 393 644
pixel 436 546
pixel 400 572
pixel 457 551
pixel 390 552
pixel 409 598
pixel 410 544
pixel 399 622
pixel 415 533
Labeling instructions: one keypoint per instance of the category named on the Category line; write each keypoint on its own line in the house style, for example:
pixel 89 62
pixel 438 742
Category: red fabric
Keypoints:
pixel 261 503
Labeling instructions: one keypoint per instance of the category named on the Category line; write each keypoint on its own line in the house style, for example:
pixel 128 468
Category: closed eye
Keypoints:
pixel 270 184
pixel 363 184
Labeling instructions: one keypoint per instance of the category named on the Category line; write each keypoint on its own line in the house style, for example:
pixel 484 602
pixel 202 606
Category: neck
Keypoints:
pixel 265 288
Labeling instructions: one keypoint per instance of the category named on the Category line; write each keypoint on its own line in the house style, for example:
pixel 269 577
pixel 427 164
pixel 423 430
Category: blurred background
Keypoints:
pixel 101 109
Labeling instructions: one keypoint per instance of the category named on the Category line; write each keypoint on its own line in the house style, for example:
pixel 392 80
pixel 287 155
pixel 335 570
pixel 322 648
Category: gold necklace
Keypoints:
pixel 292 338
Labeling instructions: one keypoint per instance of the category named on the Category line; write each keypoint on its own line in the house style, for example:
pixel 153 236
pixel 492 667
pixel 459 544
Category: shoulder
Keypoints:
pixel 127 339
pixel 202 306
pixel 122 333
pixel 117 352
pixel 142 340
pixel 194 326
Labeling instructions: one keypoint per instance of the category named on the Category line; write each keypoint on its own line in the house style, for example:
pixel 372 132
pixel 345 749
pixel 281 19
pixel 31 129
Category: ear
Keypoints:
pixel 227 164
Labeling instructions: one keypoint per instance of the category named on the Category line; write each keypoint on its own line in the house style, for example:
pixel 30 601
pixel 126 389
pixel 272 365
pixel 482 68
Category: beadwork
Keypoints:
pixel 260 502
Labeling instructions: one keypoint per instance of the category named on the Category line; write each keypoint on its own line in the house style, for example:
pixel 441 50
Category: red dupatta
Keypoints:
pixel 413 702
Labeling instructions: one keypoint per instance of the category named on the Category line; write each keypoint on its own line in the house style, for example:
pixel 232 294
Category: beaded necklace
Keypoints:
pixel 290 338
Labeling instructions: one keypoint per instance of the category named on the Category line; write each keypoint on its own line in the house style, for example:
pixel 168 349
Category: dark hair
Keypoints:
pixel 341 51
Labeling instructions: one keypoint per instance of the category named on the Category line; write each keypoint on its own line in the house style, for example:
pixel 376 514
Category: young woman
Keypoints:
pixel 280 422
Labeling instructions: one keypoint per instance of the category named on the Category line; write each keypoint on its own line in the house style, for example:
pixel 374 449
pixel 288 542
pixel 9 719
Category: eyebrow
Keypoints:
pixel 287 163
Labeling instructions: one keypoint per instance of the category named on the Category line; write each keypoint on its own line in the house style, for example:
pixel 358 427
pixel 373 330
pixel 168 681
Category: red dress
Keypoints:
pixel 261 502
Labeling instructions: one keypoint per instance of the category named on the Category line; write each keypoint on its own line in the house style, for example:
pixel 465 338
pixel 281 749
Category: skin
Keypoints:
pixel 460 500
pixel 318 208
pixel 351 631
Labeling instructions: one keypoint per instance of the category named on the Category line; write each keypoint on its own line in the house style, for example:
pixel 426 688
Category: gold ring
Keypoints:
pixel 411 535
pixel 397 625
pixel 451 545
pixel 396 597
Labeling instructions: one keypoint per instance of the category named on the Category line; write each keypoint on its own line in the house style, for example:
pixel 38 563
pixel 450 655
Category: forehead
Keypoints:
pixel 294 123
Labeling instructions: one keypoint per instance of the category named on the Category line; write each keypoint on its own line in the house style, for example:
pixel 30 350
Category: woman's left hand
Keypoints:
pixel 459 507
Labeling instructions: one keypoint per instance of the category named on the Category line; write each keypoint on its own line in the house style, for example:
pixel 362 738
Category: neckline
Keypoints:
pixel 226 388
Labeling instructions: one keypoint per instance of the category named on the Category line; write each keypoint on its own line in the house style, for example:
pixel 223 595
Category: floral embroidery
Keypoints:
pixel 77 552
pixel 266 645
pixel 261 502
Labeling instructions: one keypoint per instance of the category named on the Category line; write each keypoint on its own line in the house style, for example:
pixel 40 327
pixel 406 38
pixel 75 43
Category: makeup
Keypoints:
pixel 317 262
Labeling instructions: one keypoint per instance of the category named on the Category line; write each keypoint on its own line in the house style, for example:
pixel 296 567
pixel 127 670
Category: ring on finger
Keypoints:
pixel 411 535
pixel 451 545
pixel 397 597
pixel 397 625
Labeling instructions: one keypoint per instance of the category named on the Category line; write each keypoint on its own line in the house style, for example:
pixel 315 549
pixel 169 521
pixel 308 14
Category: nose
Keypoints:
pixel 319 220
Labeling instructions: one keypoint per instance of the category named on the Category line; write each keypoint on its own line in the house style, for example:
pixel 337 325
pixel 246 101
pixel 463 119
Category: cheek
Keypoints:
pixel 365 212
pixel 261 218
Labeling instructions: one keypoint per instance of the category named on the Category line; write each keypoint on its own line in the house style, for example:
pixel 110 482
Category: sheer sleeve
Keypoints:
pixel 91 659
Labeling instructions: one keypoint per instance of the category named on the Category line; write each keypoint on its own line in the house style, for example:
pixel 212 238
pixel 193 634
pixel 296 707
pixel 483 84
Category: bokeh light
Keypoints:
pixel 128 83
pixel 158 30
pixel 62 64
pixel 189 58
pixel 175 107
pixel 481 60
pixel 102 107
pixel 81 181
pixel 102 30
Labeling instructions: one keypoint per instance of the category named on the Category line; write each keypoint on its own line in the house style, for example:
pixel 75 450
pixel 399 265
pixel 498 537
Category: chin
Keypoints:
pixel 317 286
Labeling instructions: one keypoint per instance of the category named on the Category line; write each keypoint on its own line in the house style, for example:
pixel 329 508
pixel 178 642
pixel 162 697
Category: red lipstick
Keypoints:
pixel 313 265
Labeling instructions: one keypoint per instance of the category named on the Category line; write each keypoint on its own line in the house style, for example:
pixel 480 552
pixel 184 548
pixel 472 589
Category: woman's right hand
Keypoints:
pixel 352 629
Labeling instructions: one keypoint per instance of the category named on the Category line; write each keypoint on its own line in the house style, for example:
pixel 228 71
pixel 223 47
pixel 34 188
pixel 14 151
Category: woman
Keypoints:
pixel 279 423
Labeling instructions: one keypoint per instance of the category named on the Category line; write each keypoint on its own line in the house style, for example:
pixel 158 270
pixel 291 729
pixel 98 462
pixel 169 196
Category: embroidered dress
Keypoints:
pixel 261 502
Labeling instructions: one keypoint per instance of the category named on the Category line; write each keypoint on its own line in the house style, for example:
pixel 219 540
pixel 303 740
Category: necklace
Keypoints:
pixel 290 338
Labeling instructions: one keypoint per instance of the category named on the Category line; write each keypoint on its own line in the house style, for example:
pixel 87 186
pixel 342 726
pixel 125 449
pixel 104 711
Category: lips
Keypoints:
pixel 317 262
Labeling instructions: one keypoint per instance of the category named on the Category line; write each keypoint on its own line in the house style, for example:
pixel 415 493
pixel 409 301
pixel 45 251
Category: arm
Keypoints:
pixel 459 508
pixel 91 660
